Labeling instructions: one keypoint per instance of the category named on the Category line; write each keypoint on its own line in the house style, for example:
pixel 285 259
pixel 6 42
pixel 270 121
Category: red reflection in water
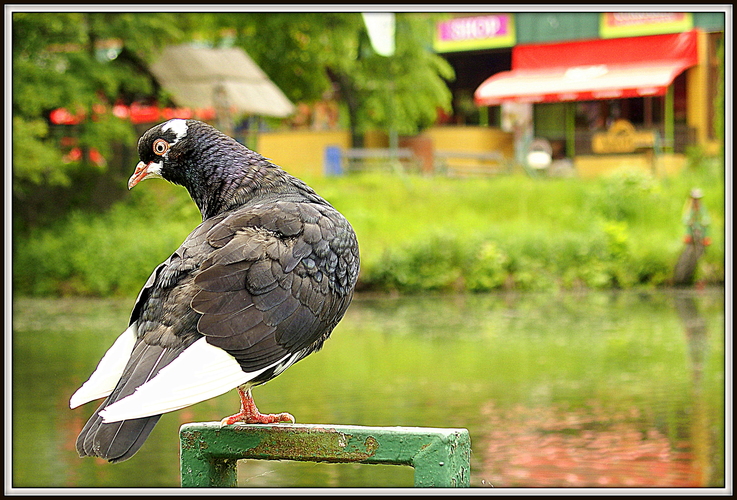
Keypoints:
pixel 554 447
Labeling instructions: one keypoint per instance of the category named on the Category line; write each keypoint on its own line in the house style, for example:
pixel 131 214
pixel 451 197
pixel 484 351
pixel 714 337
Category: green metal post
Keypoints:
pixel 669 119
pixel 440 457
pixel 484 115
pixel 570 129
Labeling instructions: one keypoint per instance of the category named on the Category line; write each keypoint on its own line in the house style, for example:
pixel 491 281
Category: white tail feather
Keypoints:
pixel 103 380
pixel 201 372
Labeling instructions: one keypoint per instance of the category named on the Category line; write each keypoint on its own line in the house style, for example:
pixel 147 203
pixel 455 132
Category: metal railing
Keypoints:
pixel 209 452
pixel 465 163
pixel 396 160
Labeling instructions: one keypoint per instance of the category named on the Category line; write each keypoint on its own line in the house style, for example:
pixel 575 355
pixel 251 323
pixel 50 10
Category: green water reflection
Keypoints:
pixel 570 390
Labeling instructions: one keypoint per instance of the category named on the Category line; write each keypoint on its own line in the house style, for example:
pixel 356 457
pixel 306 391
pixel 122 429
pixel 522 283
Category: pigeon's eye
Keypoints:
pixel 160 146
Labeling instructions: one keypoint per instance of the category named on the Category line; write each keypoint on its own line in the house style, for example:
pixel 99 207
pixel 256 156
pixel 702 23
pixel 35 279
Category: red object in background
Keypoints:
pixel 98 109
pixel 68 142
pixel 75 154
pixel 169 113
pixel 141 113
pixel 613 68
pixel 121 111
pixel 97 158
pixel 137 113
pixel 205 114
pixel 678 48
pixel 62 116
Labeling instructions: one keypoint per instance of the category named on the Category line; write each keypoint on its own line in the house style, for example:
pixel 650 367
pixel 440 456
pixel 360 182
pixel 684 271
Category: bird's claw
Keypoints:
pixel 260 418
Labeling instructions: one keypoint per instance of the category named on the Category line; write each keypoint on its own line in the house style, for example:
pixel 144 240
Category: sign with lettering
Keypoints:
pixel 624 24
pixel 474 33
pixel 622 137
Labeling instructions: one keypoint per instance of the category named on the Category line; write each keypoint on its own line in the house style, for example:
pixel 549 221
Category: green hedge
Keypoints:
pixel 417 234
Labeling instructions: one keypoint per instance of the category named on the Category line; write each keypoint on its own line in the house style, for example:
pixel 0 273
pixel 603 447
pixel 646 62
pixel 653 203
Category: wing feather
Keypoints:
pixel 261 294
pixel 105 377
pixel 224 302
pixel 200 372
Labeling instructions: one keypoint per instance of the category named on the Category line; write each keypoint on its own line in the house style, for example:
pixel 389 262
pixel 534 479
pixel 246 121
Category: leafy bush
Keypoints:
pixel 416 234
pixel 427 265
pixel 100 255
pixel 488 268
pixel 599 259
pixel 626 193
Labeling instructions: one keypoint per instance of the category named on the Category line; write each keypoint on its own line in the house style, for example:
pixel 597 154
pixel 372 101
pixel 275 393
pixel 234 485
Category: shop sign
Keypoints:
pixel 474 33
pixel 624 24
pixel 622 137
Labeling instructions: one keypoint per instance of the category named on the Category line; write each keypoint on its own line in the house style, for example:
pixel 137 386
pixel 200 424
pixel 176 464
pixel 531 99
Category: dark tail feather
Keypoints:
pixel 116 441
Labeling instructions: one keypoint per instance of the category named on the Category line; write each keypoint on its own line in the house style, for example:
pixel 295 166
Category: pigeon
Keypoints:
pixel 257 286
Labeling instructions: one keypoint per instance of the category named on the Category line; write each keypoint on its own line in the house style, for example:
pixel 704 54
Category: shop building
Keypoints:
pixel 602 89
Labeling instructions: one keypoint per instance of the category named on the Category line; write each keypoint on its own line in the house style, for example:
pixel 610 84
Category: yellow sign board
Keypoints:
pixel 622 137
pixel 623 24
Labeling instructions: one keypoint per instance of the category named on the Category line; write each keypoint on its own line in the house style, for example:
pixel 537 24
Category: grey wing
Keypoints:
pixel 269 292
pixel 157 345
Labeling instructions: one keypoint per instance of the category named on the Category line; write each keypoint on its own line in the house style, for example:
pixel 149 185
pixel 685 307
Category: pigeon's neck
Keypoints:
pixel 241 185
pixel 222 174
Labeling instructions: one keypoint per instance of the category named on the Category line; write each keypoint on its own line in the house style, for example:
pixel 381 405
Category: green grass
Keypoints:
pixel 431 233
pixel 417 234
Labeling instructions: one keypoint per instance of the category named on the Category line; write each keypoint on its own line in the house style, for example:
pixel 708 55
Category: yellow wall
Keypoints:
pixel 458 138
pixel 696 84
pixel 595 166
pixel 698 100
pixel 472 139
pixel 301 152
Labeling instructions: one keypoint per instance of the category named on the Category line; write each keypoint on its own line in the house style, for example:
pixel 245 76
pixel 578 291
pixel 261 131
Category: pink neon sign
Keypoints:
pixel 473 28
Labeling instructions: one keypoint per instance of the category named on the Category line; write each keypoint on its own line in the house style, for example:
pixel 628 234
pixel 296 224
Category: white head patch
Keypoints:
pixel 178 126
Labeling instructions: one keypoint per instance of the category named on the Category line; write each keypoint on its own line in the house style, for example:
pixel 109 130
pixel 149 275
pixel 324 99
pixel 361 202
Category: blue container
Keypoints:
pixel 333 164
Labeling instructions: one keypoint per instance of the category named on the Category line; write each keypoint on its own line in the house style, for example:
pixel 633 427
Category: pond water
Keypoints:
pixel 596 389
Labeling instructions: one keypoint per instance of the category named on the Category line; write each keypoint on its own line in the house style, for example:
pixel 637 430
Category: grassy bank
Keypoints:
pixel 417 234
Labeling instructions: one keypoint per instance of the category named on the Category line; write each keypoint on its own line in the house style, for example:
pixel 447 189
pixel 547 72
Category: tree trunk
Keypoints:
pixel 350 97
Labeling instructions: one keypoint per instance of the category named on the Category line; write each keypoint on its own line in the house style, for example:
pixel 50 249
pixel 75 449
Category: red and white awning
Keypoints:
pixel 581 83
pixel 590 70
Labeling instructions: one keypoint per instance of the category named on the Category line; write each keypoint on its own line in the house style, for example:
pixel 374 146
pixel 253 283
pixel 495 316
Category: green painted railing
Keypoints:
pixel 208 452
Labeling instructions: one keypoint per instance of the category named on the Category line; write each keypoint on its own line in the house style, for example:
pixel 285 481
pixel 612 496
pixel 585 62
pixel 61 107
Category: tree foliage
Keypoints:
pixel 87 61
pixel 309 54
pixel 403 91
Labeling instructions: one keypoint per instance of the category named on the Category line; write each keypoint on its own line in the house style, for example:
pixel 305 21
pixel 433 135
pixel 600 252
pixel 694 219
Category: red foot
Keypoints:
pixel 249 414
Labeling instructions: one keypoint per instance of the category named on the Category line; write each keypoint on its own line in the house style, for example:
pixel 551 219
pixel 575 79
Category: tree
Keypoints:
pixel 59 61
pixel 402 92
pixel 308 54
pixel 87 61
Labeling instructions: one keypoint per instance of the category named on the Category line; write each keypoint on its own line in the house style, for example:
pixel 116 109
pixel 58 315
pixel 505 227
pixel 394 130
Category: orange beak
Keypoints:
pixel 144 171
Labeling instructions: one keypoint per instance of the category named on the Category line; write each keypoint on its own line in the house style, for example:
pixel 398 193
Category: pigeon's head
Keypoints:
pixel 217 171
pixel 162 150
